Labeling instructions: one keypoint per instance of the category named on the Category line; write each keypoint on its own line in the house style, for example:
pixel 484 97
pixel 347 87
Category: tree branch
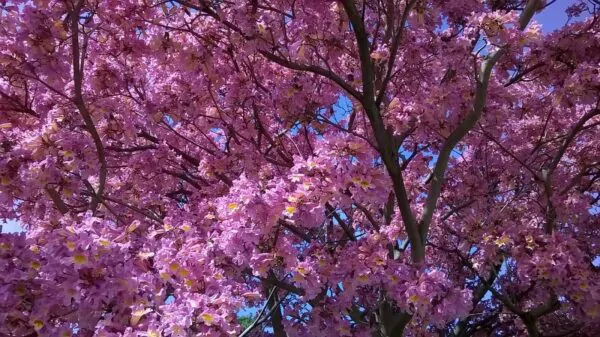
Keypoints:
pixel 294 230
pixel 183 177
pixel 258 320
pixel 316 70
pixel 368 214
pixel 385 142
pixel 465 126
pixel 332 212
pixel 394 51
pixel 60 205
pixel 80 104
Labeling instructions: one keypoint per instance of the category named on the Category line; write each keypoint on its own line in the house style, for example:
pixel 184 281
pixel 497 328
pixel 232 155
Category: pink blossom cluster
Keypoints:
pixel 284 168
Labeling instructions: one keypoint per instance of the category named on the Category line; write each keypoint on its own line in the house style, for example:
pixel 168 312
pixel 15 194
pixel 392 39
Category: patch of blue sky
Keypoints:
pixel 10 226
pixel 554 16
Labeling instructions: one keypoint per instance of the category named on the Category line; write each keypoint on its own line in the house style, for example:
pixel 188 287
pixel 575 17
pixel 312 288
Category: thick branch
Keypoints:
pixel 276 317
pixel 183 177
pixel 348 230
pixel 457 135
pixel 283 285
pixel 60 205
pixel 131 149
pixel 570 137
pixel 522 74
pixel 362 39
pixel 465 126
pixel 550 223
pixel 481 290
pixel 195 162
pixel 316 70
pixel 385 142
pixel 258 319
pixel 368 214
pixel 80 104
pixel 551 305
pixel 394 50
pixel 294 230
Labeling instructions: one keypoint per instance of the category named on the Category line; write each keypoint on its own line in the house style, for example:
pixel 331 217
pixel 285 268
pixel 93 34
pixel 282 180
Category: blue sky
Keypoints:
pixel 554 16
pixel 10 227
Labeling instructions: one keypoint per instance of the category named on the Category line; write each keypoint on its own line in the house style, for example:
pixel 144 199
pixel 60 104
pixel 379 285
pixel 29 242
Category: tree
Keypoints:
pixel 347 168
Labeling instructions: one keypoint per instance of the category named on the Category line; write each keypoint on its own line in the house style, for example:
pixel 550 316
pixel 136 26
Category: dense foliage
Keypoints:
pixel 345 168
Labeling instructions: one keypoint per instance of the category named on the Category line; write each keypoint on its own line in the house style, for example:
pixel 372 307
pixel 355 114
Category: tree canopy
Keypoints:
pixel 281 168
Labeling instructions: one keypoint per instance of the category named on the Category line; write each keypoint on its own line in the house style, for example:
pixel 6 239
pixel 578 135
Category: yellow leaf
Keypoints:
pixel 302 271
pixel 290 210
pixel 207 318
pixel 379 261
pixel 183 272
pixel 134 225
pixel 79 259
pixel 37 324
pixel 174 267
pixel 137 315
pixel 35 265
pixel 394 103
pixel 502 240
